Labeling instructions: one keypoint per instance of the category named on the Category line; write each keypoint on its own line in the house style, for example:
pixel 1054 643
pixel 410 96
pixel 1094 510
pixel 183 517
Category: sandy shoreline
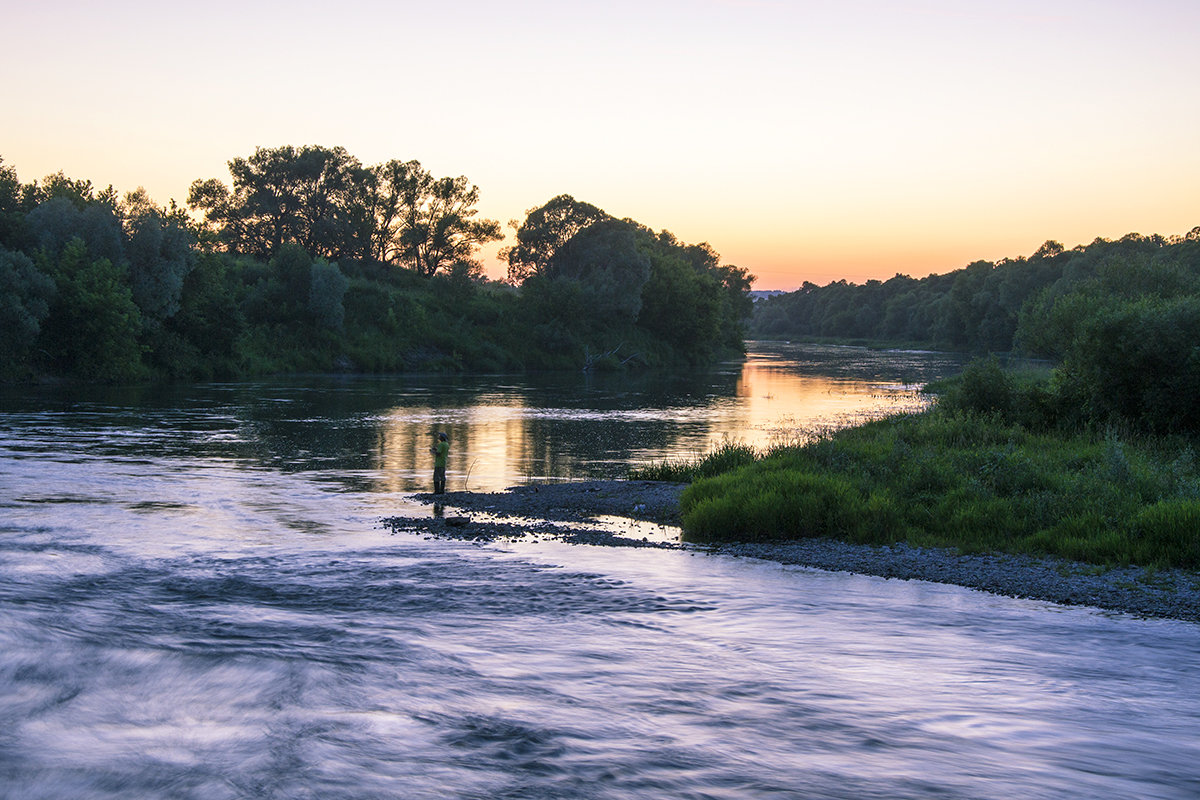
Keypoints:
pixel 569 511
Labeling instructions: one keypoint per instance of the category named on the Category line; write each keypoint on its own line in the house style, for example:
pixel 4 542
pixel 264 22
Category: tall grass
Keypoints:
pixel 727 456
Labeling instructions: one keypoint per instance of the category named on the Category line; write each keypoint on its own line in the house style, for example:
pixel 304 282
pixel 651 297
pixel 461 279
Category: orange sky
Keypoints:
pixel 803 140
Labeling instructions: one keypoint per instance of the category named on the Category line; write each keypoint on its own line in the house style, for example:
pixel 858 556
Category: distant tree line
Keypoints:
pixel 310 261
pixel 974 309
pixel 1120 319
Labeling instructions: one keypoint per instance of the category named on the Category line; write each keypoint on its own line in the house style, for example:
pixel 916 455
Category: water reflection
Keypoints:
pixel 197 601
pixel 573 426
pixel 373 433
pixel 778 403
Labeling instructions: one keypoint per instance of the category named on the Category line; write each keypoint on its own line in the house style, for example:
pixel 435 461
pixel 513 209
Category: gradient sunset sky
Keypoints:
pixel 803 140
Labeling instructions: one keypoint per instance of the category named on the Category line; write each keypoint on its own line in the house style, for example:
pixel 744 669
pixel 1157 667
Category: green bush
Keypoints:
pixel 982 388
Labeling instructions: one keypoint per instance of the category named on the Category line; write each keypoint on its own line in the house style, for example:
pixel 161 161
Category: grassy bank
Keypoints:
pixel 948 478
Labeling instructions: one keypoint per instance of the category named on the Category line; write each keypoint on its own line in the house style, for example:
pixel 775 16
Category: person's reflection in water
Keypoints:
pixel 438 510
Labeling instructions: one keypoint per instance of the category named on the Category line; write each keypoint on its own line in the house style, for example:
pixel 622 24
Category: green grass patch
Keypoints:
pixel 950 478
pixel 768 504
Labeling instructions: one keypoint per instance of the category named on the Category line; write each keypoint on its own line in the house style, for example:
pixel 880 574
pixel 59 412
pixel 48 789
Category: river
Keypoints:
pixel 197 600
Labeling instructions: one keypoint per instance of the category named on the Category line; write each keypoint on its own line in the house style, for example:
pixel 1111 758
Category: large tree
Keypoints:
pixel 280 195
pixel 92 328
pixel 327 202
pixel 159 248
pixel 438 229
pixel 604 260
pixel 25 295
pixel 584 272
pixel 545 230
pixel 379 212
pixel 12 216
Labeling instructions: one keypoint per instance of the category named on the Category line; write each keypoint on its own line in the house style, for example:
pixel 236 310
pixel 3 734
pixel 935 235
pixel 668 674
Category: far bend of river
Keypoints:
pixel 197 601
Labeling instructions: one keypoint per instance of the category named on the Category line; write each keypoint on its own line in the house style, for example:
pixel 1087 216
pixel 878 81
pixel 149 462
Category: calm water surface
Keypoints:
pixel 197 601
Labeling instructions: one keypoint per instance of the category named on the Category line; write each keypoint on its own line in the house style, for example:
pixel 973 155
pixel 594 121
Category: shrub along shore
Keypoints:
pixel 983 471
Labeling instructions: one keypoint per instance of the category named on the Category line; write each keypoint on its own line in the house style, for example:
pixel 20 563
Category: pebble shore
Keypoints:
pixel 569 511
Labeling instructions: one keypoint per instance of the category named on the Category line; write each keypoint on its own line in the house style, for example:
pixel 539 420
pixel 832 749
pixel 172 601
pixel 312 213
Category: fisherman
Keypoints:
pixel 440 450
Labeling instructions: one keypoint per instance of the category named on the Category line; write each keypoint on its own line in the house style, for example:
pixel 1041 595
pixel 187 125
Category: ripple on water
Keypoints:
pixel 204 618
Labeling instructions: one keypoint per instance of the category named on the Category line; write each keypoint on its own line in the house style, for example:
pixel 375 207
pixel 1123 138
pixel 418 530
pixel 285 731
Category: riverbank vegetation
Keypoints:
pixel 954 480
pixel 980 307
pixel 993 466
pixel 1091 457
pixel 310 261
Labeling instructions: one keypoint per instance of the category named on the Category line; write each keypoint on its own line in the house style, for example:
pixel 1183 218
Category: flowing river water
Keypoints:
pixel 197 600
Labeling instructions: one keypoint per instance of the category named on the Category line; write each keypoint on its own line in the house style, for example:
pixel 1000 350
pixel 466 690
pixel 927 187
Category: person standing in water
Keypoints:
pixel 440 450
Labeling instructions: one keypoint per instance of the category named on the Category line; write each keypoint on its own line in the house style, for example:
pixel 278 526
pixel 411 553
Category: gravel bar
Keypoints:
pixel 569 511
